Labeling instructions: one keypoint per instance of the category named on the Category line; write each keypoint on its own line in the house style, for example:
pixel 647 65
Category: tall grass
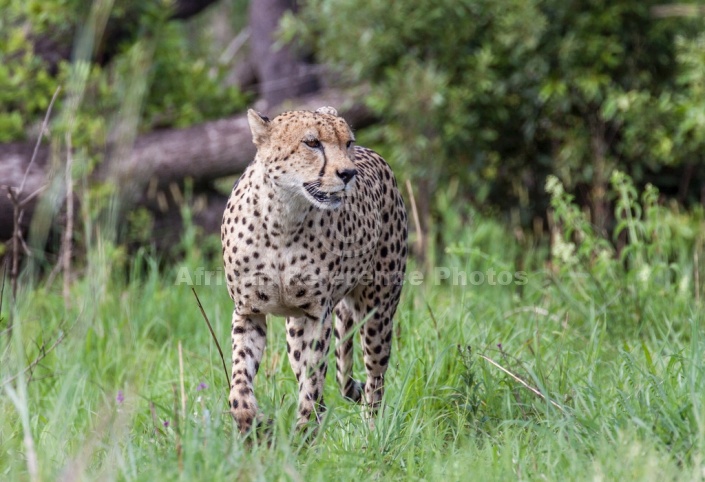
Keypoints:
pixel 620 393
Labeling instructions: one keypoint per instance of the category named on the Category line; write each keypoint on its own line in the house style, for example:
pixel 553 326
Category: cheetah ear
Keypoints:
pixel 259 126
pixel 327 110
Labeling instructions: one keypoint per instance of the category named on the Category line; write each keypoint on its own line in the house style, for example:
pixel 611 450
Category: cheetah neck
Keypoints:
pixel 286 205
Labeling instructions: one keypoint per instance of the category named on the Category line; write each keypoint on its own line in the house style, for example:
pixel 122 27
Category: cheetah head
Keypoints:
pixel 307 154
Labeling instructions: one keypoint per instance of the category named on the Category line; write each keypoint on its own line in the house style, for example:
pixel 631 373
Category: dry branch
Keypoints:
pixel 19 204
pixel 215 339
pixel 417 223
pixel 43 353
pixel 523 383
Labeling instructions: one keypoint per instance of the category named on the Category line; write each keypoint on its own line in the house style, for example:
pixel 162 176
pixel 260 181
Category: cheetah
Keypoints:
pixel 314 226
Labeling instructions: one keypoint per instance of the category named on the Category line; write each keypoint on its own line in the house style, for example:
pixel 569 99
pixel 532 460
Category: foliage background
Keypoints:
pixel 184 80
pixel 502 94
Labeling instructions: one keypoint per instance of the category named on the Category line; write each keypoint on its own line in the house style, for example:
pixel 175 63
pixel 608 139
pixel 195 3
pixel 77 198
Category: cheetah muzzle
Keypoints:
pixel 321 198
pixel 315 226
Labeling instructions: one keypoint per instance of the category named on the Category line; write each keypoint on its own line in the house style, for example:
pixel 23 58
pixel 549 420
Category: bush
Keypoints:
pixel 502 94
pixel 152 64
pixel 655 257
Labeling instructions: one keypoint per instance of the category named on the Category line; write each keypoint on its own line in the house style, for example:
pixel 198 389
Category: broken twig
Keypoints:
pixel 519 380
pixel 205 317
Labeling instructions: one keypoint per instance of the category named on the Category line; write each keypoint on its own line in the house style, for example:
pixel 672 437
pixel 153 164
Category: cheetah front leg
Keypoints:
pixel 249 336
pixel 307 342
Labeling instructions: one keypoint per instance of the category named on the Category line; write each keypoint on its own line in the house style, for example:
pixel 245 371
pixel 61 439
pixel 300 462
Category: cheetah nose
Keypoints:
pixel 346 175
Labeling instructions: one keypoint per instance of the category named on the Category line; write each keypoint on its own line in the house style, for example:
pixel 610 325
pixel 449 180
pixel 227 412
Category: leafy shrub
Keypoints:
pixel 502 94
pixel 653 259
pixel 179 88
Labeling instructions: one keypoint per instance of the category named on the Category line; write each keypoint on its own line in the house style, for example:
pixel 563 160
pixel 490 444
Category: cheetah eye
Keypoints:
pixel 349 144
pixel 313 143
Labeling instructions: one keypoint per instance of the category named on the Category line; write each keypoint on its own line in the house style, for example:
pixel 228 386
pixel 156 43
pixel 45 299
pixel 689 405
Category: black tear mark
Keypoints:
pixel 325 161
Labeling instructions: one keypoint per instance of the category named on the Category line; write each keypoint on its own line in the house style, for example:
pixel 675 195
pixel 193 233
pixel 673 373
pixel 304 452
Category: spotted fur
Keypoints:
pixel 315 225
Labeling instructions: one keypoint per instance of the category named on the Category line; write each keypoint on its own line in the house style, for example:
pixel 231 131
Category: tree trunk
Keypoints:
pixel 282 72
pixel 599 203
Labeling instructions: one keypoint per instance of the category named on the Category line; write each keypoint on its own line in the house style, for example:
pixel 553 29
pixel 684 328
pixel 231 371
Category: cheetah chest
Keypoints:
pixel 297 269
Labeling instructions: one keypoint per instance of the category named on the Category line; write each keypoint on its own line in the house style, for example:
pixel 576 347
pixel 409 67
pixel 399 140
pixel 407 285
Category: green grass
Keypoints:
pixel 627 393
